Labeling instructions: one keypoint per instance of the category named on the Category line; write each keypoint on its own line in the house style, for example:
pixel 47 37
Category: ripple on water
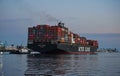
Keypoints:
pixel 73 65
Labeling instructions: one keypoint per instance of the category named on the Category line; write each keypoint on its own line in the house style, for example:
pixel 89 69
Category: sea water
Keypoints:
pixel 101 64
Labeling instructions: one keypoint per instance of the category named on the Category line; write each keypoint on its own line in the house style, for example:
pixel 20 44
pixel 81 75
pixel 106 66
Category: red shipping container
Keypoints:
pixel 31 36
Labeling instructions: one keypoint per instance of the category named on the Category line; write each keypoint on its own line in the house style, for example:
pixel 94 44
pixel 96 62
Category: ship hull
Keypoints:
pixel 63 48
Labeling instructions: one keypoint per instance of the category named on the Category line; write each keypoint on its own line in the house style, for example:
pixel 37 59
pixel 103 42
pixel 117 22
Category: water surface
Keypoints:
pixel 101 64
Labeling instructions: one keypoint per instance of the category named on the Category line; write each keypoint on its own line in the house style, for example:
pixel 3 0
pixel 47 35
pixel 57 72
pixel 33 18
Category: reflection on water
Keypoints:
pixel 102 64
pixel 65 65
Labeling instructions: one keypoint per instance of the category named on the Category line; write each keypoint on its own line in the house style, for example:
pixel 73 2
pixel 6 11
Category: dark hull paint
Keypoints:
pixel 62 48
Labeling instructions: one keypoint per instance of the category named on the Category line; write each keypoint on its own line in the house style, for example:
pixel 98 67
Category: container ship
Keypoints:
pixel 58 39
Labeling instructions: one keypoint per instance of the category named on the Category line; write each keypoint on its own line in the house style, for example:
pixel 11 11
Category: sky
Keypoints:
pixel 80 16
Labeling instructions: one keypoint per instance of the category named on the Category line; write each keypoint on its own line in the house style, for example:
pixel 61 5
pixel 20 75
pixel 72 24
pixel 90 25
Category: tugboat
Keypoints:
pixel 58 39
pixel 20 50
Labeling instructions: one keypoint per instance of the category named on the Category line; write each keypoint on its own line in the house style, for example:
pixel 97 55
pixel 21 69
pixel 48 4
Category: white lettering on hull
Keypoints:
pixel 86 49
pixel 80 48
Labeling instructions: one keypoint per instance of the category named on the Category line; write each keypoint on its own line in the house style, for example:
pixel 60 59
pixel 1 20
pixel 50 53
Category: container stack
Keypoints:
pixel 56 34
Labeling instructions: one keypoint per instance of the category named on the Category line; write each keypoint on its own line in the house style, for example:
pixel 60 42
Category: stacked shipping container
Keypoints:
pixel 56 34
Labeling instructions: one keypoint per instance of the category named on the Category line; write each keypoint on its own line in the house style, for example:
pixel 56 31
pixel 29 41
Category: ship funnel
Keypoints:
pixel 61 24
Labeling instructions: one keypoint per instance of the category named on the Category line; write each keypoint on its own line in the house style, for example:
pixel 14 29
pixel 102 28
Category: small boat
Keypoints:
pixel 34 52
pixel 21 51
